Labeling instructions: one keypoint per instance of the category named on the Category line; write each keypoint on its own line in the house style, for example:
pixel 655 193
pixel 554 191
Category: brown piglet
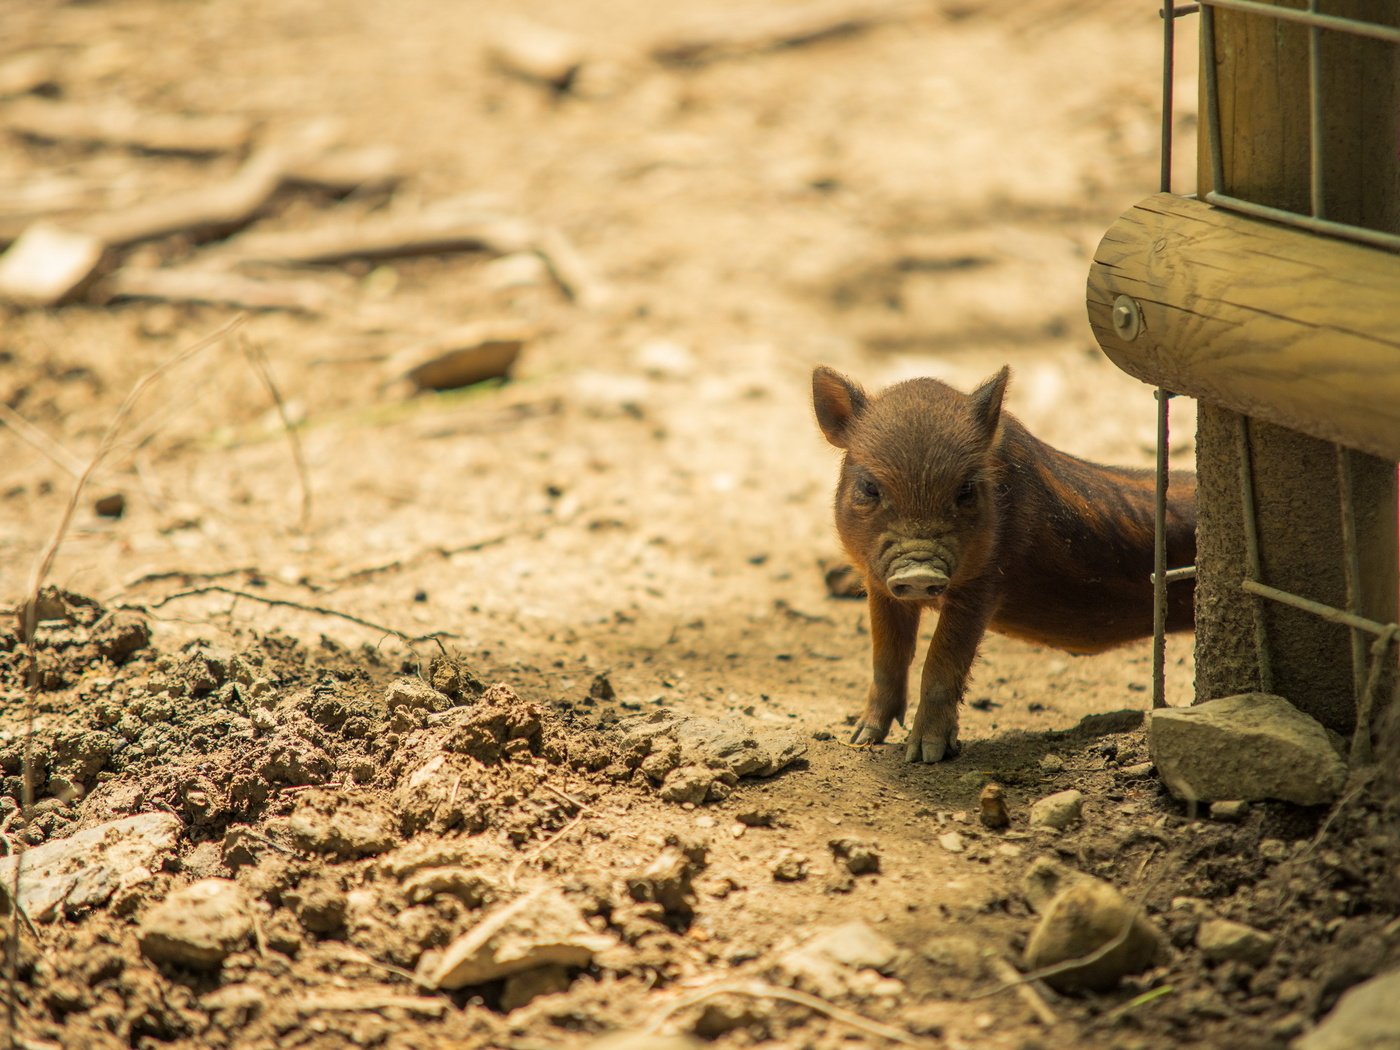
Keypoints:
pixel 947 502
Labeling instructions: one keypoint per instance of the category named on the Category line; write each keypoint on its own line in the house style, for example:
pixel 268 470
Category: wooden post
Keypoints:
pixel 1261 67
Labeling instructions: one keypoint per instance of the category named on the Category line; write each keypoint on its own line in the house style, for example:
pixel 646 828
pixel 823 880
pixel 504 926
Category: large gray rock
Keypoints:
pixel 1366 1018
pixel 1252 746
pixel 1080 921
pixel 1057 811
pixel 542 928
pixel 84 870
pixel 1221 940
pixel 198 925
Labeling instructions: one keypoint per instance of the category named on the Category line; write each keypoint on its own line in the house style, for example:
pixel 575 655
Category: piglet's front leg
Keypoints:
pixel 961 624
pixel 894 629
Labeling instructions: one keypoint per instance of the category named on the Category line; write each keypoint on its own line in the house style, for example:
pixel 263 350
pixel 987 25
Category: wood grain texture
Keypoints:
pixel 1282 325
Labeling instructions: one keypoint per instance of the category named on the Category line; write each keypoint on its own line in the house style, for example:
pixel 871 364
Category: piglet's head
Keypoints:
pixel 915 504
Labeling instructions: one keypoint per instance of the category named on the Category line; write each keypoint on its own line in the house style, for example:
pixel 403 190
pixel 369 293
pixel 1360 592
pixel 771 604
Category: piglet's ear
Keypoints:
pixel 838 402
pixel 986 402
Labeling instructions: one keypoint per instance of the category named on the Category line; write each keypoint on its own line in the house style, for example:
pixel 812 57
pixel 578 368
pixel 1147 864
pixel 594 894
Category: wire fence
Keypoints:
pixel 1369 661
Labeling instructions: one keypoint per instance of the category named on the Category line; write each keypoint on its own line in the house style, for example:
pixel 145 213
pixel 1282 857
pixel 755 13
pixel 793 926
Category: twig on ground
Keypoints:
pixel 39 441
pixel 1028 992
pixel 185 576
pixel 29 617
pixel 257 357
pixel 367 571
pixel 540 850
pixel 287 603
pixel 762 990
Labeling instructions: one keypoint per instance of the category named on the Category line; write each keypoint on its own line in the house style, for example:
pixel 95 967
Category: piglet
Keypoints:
pixel 947 502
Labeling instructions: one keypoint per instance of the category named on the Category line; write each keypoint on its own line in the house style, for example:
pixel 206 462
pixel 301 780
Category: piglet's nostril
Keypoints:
pixel 917 582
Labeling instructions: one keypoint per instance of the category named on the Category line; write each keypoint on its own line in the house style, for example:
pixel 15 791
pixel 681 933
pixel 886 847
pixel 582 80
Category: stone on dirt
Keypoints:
pixel 328 821
pixel 991 807
pixel 84 870
pixel 1252 746
pixel 543 928
pixel 721 744
pixel 1057 811
pixel 46 265
pixel 831 962
pixel 198 925
pixel 859 856
pixel 789 867
pixel 1367 1017
pixel 952 841
pixel 1230 812
pixel 667 881
pixel 415 695
pixel 1083 918
pixel 1221 940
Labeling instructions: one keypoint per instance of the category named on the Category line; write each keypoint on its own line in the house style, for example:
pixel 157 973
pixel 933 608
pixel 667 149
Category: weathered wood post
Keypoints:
pixel 1291 341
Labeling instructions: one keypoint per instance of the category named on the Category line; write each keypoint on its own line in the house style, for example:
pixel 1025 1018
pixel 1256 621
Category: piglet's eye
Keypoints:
pixel 868 489
pixel 967 493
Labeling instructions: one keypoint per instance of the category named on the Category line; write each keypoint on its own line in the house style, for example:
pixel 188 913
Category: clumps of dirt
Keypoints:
pixel 72 635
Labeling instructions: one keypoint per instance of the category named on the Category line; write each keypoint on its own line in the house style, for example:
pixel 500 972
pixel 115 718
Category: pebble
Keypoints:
pixel 1221 940
pixel 1082 918
pixel 1052 763
pixel 1137 771
pixel 1057 811
pixel 542 928
pixel 1230 812
pixel 198 925
pixel 951 841
pixel 992 807
pixel 790 867
pixel 860 857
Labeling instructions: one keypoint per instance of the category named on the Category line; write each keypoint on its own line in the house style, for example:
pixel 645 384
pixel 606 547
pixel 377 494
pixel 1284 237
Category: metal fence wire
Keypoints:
pixel 1368 661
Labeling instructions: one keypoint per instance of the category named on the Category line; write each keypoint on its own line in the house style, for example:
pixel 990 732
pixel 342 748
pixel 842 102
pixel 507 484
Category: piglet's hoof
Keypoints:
pixel 934 747
pixel 869 733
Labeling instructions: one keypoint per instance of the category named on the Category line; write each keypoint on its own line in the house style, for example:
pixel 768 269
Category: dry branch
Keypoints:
pixel 41 442
pixel 286 603
pixel 770 29
pixel 187 285
pixel 115 124
pixel 448 230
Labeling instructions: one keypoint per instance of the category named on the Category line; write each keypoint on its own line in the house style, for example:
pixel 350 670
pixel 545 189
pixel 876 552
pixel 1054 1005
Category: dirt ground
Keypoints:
pixel 635 525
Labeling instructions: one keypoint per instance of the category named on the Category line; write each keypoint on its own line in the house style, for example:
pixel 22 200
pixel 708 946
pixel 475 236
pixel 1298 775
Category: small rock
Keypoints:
pixel 1057 811
pixel 834 962
pixel 1230 812
pixel 521 988
pixel 991 805
pixel 1052 763
pixel 84 870
pixel 1366 1017
pixel 413 694
pixel 1082 918
pixel 328 821
pixel 1252 746
pixel 860 856
pixel 1273 851
pixel 536 52
pixel 663 359
pixel 46 265
pixel 951 841
pixel 112 505
pixel 757 817
pixel 1221 940
pixel 472 888
pixel 667 881
pixel 461 356
pixel 711 742
pixel 790 867
pixel 198 925
pixel 1137 771
pixel 687 784
pixel 543 928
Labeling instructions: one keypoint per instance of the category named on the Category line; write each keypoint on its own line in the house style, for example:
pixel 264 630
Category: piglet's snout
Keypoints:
pixel 917 581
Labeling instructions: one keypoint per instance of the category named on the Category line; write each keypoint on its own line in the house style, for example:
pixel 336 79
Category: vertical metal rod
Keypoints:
pixel 1315 178
pixel 1251 546
pixel 1159 539
pixel 1168 90
pixel 1159 560
pixel 1212 82
pixel 1351 566
pixel 1366 701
